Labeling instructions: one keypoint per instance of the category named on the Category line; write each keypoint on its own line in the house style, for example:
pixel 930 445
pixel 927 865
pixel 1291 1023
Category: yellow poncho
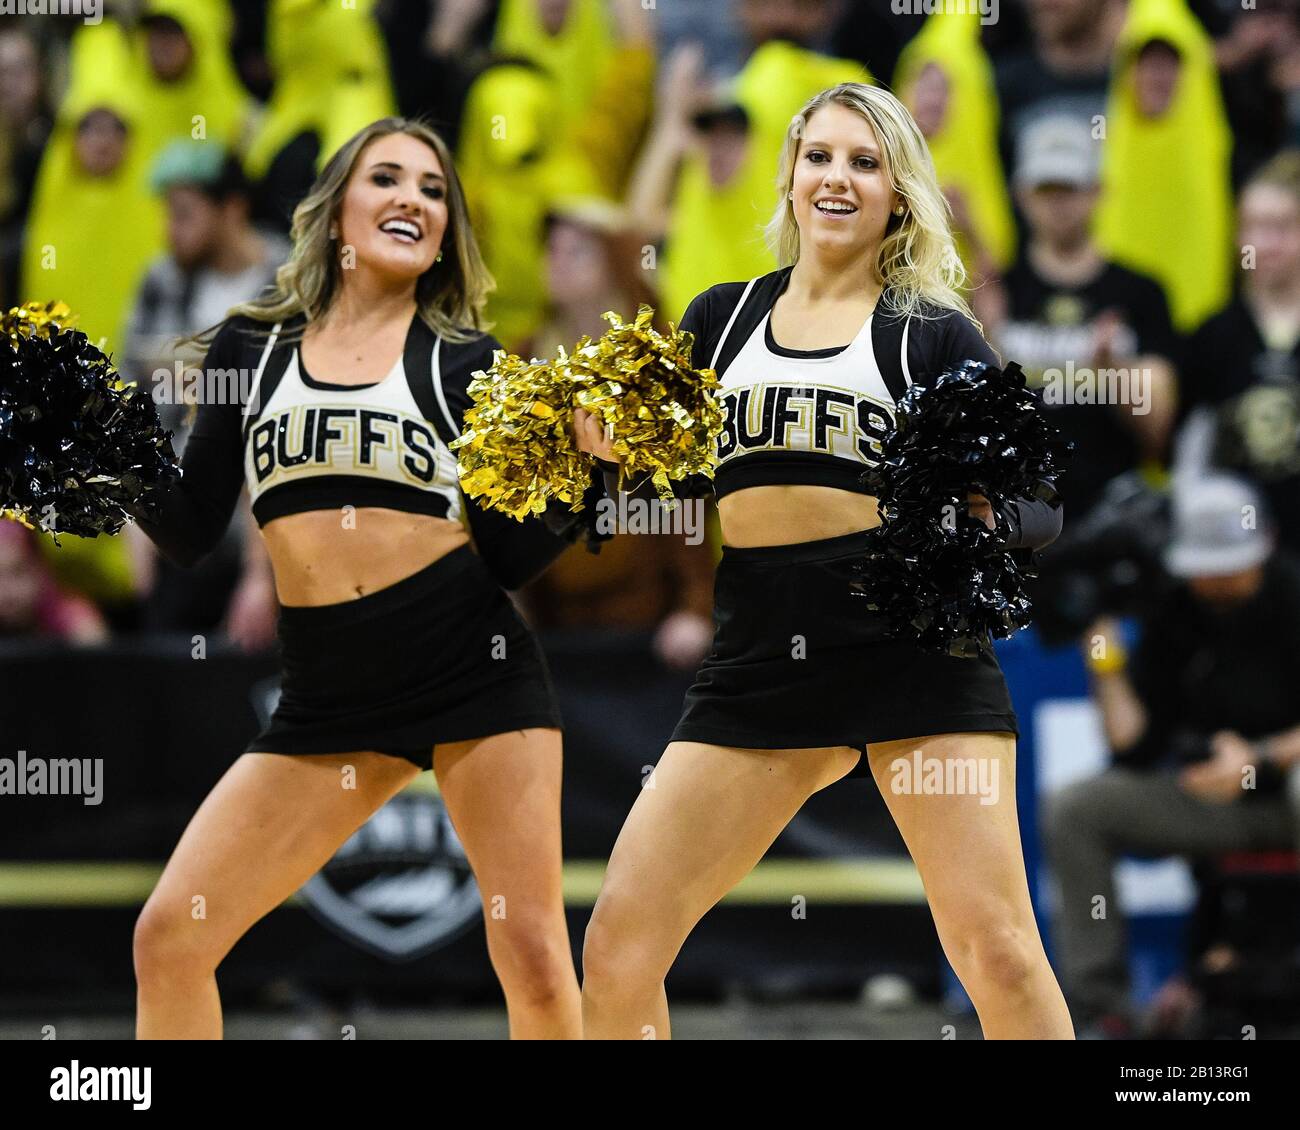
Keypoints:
pixel 575 57
pixel 512 171
pixel 331 77
pixel 1166 207
pixel 965 150
pixel 208 102
pixel 716 233
pixel 89 239
pixel 88 242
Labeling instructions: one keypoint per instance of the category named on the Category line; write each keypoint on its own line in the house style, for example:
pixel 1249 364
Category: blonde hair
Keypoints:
pixel 918 262
pixel 1281 171
pixel 450 295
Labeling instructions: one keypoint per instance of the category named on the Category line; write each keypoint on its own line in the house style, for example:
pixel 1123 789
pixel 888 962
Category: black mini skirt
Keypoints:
pixel 440 656
pixel 799 662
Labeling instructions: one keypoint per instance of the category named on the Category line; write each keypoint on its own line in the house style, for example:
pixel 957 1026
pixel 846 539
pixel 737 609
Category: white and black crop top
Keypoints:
pixel 302 444
pixel 817 417
pixel 311 445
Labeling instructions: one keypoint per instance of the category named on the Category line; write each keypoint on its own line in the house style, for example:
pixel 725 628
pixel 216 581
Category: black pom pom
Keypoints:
pixel 77 449
pixel 938 575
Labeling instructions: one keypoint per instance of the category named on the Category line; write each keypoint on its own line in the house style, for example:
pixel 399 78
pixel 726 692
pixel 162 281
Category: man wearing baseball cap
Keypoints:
pixel 1203 723
pixel 1070 317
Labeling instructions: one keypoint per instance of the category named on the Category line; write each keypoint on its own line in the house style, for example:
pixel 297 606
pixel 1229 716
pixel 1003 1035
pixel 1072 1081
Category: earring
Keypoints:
pixel 790 195
pixel 334 233
pixel 438 258
pixel 899 210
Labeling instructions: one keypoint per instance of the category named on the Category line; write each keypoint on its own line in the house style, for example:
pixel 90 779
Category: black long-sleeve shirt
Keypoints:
pixel 193 513
pixel 807 405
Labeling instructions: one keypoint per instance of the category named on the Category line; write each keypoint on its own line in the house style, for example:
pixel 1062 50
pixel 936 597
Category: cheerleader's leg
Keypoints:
pixel 953 797
pixel 269 824
pixel 703 819
pixel 503 796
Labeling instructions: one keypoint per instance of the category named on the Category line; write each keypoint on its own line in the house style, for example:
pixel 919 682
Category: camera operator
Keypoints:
pixel 1204 726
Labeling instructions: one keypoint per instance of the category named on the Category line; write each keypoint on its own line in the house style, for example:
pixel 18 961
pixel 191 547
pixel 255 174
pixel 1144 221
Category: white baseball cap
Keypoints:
pixel 1058 149
pixel 1219 528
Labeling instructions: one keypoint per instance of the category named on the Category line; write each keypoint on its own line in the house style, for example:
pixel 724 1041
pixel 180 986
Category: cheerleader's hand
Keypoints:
pixel 590 435
pixel 979 507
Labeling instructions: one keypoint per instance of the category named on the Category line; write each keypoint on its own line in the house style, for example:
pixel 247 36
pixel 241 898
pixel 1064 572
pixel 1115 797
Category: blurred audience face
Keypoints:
pixel 1155 78
pixel 396 177
pixel 1065 21
pixel 168 48
pixel 576 264
pixel 839 156
pixel 930 99
pixel 552 14
pixel 100 143
pixel 20 580
pixel 1058 214
pixel 1227 590
pixel 726 145
pixel 197 225
pixel 1270 223
pixel 20 78
pixel 803 21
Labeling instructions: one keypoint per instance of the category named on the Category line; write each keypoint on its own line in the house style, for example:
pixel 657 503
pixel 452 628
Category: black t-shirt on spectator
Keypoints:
pixel 1255 392
pixel 1198 669
pixel 1049 324
pixel 1028 90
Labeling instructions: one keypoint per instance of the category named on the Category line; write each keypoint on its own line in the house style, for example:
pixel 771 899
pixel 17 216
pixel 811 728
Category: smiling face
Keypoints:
pixel 843 197
pixel 394 210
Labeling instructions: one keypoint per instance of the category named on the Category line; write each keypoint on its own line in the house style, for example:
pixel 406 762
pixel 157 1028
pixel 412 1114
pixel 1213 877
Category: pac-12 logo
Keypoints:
pixel 776 417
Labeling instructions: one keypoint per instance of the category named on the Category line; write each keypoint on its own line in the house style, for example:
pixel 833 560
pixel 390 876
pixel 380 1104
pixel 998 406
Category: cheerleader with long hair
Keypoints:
pixel 401 651
pixel 803 687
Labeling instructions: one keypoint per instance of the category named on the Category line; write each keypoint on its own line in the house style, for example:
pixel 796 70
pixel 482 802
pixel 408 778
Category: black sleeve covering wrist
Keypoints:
pixel 518 552
pixel 182 524
pixel 187 518
pixel 693 486
pixel 1033 523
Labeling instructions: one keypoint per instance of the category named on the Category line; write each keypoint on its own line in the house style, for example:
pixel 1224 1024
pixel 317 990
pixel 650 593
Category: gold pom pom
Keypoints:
pixel 36 319
pixel 517 451
pixel 660 412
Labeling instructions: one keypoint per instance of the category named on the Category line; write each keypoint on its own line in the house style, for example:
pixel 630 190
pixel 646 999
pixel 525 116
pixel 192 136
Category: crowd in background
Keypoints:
pixel 1124 177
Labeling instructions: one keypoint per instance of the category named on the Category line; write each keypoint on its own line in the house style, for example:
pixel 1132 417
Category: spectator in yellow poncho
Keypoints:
pixel 1166 205
pixel 93 224
pixel 573 51
pixel 715 229
pixel 93 227
pixel 945 80
pixel 330 78
pixel 512 169
pixel 188 85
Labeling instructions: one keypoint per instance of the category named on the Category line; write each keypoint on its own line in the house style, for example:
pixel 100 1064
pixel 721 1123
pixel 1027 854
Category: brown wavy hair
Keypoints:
pixel 450 295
